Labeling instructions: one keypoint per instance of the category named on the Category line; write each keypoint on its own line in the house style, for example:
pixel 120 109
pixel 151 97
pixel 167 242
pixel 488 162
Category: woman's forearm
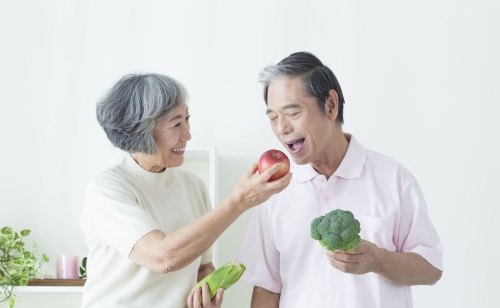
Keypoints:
pixel 182 246
pixel 166 252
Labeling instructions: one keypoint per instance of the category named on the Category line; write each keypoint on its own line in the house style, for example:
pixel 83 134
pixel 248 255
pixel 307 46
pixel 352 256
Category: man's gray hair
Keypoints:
pixel 130 110
pixel 317 78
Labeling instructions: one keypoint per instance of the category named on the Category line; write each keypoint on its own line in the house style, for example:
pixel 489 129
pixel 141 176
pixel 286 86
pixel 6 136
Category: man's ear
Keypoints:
pixel 332 104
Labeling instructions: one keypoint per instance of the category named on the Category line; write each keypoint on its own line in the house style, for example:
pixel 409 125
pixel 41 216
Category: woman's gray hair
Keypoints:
pixel 317 78
pixel 130 110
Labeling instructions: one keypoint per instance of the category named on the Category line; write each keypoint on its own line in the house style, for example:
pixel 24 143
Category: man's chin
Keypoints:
pixel 299 160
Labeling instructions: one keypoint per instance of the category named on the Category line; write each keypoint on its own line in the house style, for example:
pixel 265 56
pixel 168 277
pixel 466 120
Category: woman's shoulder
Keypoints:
pixel 110 179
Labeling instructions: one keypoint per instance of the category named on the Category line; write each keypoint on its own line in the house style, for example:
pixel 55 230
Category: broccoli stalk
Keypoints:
pixel 337 229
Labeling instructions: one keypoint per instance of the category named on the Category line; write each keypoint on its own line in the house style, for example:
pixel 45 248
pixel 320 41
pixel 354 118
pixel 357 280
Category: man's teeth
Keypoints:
pixel 178 150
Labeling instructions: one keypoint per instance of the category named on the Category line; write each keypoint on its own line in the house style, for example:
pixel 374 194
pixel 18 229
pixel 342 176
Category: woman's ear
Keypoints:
pixel 332 104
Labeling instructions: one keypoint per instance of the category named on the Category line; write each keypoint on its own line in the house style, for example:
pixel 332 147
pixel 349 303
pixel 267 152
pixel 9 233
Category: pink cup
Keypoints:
pixel 67 267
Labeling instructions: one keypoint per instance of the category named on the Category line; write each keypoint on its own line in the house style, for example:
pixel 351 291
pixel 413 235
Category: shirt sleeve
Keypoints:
pixel 416 232
pixel 112 216
pixel 259 254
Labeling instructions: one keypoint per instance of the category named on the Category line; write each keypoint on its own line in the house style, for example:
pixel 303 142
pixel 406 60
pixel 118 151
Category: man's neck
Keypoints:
pixel 332 156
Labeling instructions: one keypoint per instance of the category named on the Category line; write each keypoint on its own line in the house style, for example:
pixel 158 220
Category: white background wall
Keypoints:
pixel 420 80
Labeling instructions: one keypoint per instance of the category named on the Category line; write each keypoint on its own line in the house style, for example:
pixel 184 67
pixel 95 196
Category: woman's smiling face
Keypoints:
pixel 171 135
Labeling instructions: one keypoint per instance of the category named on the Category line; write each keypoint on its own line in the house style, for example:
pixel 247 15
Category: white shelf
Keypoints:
pixel 204 162
pixel 48 289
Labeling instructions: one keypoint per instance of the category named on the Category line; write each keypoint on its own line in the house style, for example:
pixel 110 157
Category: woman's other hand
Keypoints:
pixel 200 298
pixel 253 188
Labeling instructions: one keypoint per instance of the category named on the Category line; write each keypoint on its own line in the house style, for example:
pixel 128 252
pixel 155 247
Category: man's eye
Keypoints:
pixel 188 117
pixel 272 119
pixel 293 114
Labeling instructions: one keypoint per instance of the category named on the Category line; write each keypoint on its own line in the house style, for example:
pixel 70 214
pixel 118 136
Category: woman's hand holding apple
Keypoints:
pixel 272 157
pixel 255 188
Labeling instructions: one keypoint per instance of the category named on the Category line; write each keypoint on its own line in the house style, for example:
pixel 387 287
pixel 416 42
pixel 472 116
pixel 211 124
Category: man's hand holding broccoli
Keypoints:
pixel 338 231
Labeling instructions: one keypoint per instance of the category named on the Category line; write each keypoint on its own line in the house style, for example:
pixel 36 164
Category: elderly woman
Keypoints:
pixel 149 226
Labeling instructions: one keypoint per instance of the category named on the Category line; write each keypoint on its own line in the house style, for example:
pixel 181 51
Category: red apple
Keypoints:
pixel 271 157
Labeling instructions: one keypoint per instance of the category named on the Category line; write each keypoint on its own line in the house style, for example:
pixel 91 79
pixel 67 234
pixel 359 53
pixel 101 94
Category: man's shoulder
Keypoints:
pixel 382 164
pixel 379 158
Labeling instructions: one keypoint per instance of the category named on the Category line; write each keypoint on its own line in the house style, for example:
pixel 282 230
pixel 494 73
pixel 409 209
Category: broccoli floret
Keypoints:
pixel 337 229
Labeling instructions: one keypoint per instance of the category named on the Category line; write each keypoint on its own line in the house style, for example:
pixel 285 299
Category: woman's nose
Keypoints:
pixel 186 135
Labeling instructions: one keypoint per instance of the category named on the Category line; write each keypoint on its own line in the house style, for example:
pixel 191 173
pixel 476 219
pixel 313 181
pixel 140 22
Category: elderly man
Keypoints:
pixel 399 247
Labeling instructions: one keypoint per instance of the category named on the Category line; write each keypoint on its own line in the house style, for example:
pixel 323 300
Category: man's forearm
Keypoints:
pixel 407 268
pixel 262 298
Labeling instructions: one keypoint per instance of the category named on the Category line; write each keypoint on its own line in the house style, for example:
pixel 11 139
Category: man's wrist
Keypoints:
pixel 380 258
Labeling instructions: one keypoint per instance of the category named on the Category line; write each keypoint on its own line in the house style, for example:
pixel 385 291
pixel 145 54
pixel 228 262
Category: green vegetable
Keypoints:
pixel 17 263
pixel 337 229
pixel 223 277
pixel 83 268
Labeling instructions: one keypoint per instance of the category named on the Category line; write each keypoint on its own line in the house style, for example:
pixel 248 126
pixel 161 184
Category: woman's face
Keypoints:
pixel 171 135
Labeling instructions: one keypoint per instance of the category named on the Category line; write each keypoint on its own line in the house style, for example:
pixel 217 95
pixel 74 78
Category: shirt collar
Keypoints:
pixel 152 181
pixel 350 167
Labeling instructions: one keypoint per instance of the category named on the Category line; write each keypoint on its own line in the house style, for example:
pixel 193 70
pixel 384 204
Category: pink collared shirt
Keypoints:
pixel 281 257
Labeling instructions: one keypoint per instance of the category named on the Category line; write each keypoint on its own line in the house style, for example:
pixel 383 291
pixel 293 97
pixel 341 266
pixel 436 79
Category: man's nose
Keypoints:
pixel 284 126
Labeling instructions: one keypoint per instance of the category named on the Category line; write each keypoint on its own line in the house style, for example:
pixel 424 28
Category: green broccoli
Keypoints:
pixel 337 229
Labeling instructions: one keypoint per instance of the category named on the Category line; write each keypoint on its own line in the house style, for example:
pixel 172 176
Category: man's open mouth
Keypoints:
pixel 295 145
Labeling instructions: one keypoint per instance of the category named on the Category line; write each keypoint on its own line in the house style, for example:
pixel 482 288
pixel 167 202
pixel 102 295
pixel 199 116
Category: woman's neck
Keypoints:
pixel 148 162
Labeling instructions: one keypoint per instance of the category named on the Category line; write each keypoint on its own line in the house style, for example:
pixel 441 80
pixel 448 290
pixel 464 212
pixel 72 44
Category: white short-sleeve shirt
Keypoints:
pixel 122 204
pixel 281 257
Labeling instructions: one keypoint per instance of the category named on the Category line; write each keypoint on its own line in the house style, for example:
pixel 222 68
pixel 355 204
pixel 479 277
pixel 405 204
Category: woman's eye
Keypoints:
pixel 186 119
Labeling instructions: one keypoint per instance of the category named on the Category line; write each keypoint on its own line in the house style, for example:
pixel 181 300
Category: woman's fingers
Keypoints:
pixel 200 298
pixel 218 297
pixel 189 301
pixel 205 293
pixel 193 300
pixel 271 171
pixel 252 170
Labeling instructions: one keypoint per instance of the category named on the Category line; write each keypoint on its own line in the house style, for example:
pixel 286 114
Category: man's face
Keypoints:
pixel 296 119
